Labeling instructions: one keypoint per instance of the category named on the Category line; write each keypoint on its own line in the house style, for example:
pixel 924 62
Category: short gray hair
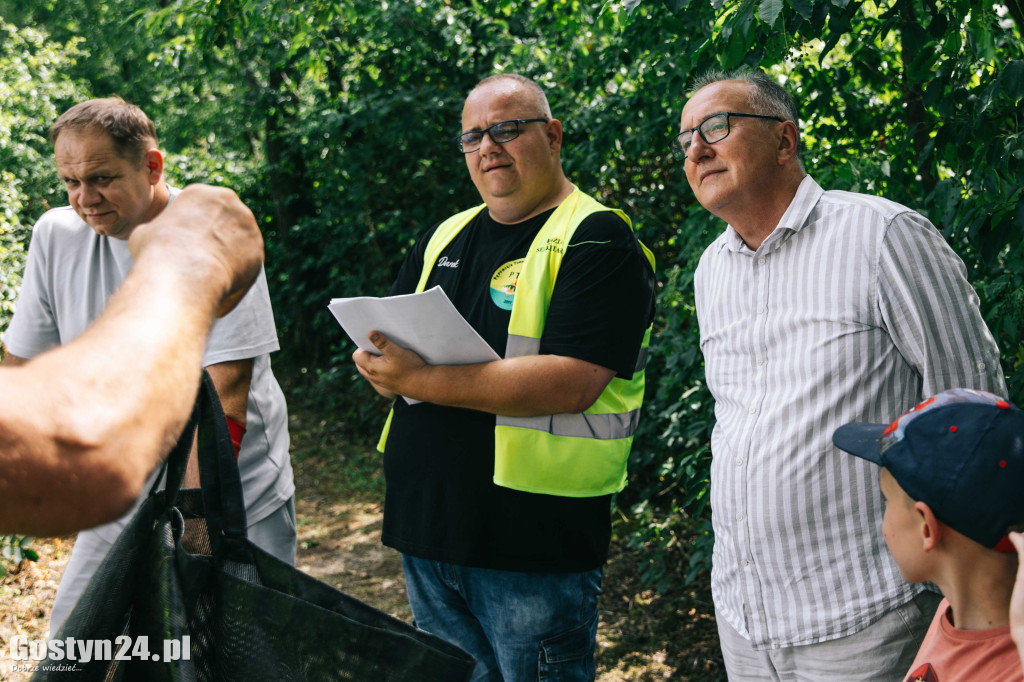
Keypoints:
pixel 767 97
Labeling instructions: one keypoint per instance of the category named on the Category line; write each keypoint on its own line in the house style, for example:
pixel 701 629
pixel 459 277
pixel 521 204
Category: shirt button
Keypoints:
pixel 760 311
pixel 739 517
pixel 739 461
pixel 760 362
pixel 753 410
pixel 981 366
pixel 761 261
pixel 744 563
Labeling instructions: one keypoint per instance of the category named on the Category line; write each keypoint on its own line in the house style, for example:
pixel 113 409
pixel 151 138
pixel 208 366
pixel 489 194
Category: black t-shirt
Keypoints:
pixel 441 502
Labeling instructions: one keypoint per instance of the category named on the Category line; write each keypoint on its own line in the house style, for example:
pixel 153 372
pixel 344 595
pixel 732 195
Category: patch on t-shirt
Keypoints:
pixel 503 283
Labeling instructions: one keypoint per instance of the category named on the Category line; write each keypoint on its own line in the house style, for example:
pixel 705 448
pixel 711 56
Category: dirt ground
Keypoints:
pixel 642 636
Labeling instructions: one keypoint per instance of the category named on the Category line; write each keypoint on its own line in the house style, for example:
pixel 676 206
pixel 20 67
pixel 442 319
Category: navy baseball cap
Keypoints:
pixel 961 452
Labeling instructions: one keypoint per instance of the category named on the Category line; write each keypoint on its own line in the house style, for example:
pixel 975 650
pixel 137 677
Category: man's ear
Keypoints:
pixel 154 163
pixel 554 133
pixel 931 527
pixel 789 142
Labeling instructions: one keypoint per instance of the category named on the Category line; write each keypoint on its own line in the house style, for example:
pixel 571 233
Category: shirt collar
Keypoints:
pixel 793 220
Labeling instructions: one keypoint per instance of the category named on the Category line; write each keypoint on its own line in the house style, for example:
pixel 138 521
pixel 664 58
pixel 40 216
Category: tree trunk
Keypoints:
pixel 914 112
pixel 288 186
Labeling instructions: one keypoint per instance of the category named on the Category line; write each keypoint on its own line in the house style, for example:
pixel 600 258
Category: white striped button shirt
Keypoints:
pixel 853 309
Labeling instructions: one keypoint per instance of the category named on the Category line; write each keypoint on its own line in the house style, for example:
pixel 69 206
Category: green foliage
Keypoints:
pixel 32 88
pixel 12 246
pixel 13 550
pixel 672 546
pixel 32 91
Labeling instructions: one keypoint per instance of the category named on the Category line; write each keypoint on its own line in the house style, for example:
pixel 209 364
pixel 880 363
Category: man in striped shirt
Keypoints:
pixel 816 308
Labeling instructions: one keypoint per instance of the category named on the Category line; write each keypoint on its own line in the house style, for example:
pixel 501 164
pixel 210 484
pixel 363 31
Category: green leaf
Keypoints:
pixel 735 53
pixel 913 37
pixel 838 26
pixel 1011 80
pixel 953 43
pixel 984 42
pixel 920 68
pixel 804 8
pixel 987 96
pixel 938 27
pixel 769 11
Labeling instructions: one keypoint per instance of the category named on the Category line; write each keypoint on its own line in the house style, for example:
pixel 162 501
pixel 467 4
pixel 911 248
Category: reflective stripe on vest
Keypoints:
pixel 571 455
pixel 600 425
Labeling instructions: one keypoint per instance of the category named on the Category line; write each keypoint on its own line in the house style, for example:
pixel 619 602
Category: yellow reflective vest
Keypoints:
pixel 571 455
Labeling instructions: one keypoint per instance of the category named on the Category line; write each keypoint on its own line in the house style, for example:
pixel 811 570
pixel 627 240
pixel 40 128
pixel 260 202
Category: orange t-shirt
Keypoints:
pixel 948 654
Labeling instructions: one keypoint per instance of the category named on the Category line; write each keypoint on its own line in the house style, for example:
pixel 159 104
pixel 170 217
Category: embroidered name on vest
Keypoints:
pixel 445 263
pixel 552 244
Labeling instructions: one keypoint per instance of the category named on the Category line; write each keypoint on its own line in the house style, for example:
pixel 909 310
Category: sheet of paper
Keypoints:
pixel 427 323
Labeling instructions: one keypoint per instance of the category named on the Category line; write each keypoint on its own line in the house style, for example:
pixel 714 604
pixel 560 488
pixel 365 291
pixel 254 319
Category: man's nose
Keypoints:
pixel 88 195
pixel 699 149
pixel 488 145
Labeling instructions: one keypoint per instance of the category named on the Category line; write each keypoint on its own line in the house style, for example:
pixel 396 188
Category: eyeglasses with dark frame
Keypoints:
pixel 500 133
pixel 714 128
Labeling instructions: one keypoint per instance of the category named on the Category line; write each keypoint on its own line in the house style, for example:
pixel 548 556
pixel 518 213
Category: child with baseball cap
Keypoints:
pixel 953 481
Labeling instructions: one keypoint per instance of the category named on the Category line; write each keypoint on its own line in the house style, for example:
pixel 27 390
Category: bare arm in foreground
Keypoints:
pixel 82 426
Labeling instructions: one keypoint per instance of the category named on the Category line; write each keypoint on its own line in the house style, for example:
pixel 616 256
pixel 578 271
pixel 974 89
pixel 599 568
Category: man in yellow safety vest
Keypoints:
pixel 499 482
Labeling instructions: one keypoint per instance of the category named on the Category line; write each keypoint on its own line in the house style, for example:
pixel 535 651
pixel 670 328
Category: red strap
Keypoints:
pixel 237 430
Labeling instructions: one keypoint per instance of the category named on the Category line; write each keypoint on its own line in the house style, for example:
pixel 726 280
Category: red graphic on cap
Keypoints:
pixel 920 406
pixel 926 673
pixel 923 404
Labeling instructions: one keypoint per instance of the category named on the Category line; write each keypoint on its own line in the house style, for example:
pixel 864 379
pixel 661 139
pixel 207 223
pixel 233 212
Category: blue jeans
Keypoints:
pixel 520 627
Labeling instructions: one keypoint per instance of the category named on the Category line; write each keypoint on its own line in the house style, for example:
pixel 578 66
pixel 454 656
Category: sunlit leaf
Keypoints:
pixel 769 11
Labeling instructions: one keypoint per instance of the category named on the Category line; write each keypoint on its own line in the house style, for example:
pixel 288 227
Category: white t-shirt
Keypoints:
pixel 70 275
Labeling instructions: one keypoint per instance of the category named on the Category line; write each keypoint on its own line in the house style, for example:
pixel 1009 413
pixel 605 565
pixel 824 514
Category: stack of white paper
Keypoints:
pixel 426 323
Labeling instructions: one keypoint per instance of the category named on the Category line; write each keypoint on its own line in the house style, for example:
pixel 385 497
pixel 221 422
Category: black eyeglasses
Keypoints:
pixel 714 128
pixel 500 133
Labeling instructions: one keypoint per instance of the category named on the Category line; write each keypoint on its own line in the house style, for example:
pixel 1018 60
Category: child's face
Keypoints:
pixel 901 528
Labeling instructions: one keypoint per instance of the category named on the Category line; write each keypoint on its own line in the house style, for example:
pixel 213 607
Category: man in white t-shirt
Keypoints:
pixel 106 154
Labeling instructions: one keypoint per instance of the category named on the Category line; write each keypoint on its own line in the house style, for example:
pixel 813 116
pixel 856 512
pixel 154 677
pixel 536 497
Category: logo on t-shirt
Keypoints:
pixel 503 283
pixel 926 673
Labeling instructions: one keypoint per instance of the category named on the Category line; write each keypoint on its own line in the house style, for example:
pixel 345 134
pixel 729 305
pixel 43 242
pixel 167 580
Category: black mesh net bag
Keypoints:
pixel 184 595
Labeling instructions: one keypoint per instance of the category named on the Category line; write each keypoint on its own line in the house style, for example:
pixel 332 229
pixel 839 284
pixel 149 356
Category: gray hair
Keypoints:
pixel 767 97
